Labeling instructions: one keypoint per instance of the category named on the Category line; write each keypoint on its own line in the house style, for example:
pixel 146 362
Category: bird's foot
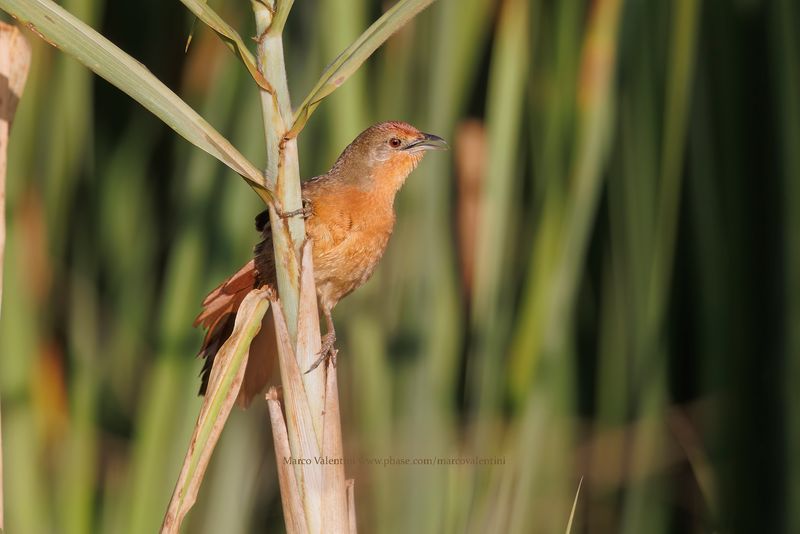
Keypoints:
pixel 305 211
pixel 326 351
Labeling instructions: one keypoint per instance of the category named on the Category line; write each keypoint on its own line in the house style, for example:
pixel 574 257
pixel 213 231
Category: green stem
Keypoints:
pixel 283 169
pixel 288 236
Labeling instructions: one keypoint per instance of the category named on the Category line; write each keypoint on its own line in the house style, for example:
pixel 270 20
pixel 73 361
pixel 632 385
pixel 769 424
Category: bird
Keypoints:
pixel 349 217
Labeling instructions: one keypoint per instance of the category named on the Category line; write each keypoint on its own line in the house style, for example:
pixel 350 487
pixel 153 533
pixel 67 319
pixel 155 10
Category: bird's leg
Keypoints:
pixel 327 350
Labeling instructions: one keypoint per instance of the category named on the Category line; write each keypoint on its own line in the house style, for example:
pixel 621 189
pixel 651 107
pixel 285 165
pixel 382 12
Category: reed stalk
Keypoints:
pixel 311 409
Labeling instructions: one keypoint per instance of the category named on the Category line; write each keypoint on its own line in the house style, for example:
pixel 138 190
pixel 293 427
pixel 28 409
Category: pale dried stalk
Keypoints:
pixel 303 441
pixel 334 504
pixel 15 60
pixel 309 341
pixel 320 486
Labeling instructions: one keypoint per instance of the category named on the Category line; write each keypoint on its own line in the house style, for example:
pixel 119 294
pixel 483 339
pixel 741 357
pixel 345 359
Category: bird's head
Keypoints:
pixel 385 154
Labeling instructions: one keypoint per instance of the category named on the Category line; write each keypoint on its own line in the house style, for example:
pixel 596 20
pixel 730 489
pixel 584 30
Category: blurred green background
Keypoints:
pixel 600 280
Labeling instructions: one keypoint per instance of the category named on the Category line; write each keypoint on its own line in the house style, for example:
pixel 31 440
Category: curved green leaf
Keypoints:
pixel 62 30
pixel 281 14
pixel 230 36
pixel 354 55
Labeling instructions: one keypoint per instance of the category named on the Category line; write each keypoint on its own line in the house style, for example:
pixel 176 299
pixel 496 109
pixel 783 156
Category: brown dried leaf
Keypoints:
pixel 334 503
pixel 303 441
pixel 223 388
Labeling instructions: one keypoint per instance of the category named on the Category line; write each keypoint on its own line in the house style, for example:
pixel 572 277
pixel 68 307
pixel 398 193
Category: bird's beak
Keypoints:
pixel 428 142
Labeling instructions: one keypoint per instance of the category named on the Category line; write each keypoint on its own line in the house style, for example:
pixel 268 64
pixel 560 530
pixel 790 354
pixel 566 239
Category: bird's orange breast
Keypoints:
pixel 349 230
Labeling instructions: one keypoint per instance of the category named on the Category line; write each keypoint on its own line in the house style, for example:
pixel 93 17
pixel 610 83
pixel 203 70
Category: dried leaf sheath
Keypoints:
pixel 290 490
pixel 303 441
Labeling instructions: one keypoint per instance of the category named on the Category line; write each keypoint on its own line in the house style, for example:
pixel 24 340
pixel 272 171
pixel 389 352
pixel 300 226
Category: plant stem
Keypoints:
pixel 283 169
pixel 288 234
pixel 283 172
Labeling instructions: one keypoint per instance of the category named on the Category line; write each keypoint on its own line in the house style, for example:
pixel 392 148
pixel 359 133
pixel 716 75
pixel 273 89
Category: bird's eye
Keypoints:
pixel 395 142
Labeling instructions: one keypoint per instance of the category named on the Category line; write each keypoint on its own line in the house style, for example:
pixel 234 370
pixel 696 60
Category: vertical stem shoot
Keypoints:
pixel 283 168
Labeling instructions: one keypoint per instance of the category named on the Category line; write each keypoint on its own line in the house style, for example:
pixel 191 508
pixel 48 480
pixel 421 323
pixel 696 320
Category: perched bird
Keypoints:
pixel 349 217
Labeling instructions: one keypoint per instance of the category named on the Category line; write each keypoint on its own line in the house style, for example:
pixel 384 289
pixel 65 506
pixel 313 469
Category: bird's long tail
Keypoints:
pixel 217 318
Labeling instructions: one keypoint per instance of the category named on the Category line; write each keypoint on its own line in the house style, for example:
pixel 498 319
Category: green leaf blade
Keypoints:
pixel 353 56
pixel 230 37
pixel 67 33
pixel 281 14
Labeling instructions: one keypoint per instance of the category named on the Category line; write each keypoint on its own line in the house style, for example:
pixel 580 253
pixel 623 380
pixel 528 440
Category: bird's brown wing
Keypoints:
pixel 218 316
pixel 226 297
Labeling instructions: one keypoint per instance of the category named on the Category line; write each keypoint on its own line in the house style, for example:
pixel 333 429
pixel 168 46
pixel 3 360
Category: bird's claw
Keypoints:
pixel 326 351
pixel 305 211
